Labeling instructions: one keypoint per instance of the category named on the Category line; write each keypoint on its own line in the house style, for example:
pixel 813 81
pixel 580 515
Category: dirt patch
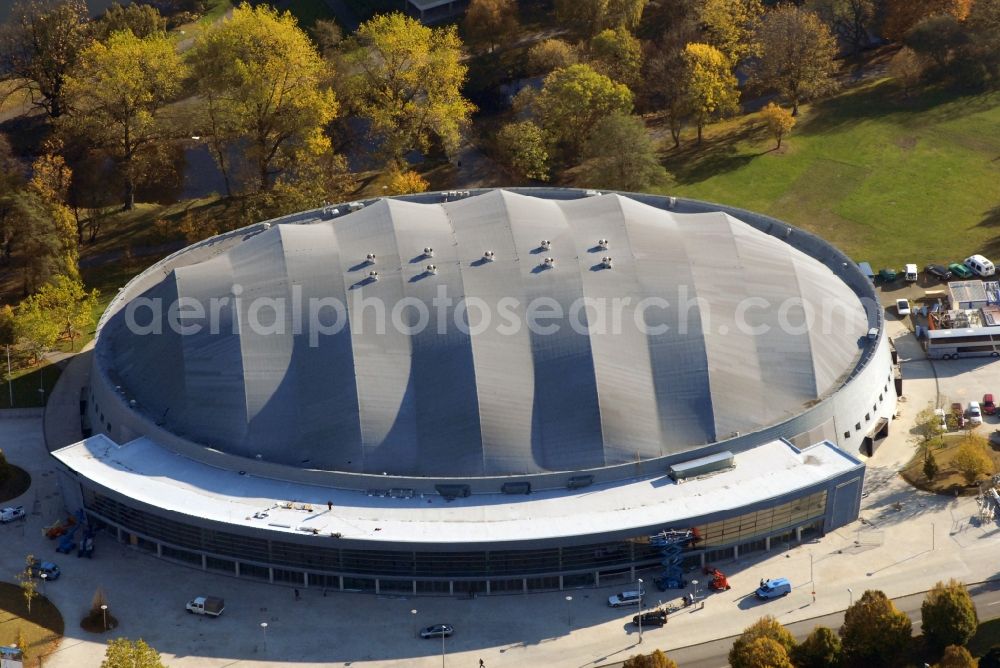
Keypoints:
pixel 907 143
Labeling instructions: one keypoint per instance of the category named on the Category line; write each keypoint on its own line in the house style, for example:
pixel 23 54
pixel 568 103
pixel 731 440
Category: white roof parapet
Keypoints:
pixel 146 472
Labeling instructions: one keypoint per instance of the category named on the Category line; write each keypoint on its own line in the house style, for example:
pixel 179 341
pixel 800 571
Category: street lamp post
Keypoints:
pixel 851 593
pixel 569 611
pixel 442 648
pixel 104 615
pixel 640 610
pixel 263 628
pixel 45 576
pixel 695 583
pixel 414 613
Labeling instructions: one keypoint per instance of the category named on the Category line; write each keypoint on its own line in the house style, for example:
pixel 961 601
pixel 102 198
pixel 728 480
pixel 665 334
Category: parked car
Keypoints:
pixel 437 631
pixel 910 273
pixel 887 275
pixel 975 413
pixel 651 618
pixel 773 588
pixel 625 598
pixel 938 271
pixel 960 270
pixel 902 307
pixel 980 265
pixel 50 570
pixel 989 407
pixel 211 606
pixel 11 513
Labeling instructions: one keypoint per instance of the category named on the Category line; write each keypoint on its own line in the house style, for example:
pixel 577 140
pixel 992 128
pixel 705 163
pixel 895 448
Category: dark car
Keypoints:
pixel 960 270
pixel 47 568
pixel 651 618
pixel 437 631
pixel 989 407
pixel 938 271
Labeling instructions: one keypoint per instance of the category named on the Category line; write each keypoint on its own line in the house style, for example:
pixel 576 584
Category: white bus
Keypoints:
pixel 949 344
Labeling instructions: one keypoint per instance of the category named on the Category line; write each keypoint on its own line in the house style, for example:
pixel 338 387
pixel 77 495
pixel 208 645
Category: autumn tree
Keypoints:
pixel 551 54
pixel 875 632
pixel 68 304
pixel 523 149
pixel 655 660
pixel 972 460
pixel 39 46
pixel 406 79
pixel 490 22
pixel 265 90
pixel 729 26
pixel 949 615
pixel 405 182
pixel 956 656
pixel 779 121
pixel 616 54
pixel 797 55
pixel 35 329
pixel 21 642
pixel 29 588
pixel 850 20
pixel 711 87
pixel 983 27
pixel 820 649
pixel 664 86
pixel 125 653
pixel 39 233
pixel 141 20
pixel 765 639
pixel 589 17
pixel 572 101
pixel 117 89
pixel 902 15
pixel 327 35
pixel 620 155
pixel 937 38
pixel 928 426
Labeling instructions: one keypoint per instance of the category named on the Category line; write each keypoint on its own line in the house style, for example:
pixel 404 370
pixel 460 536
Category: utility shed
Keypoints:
pixel 967 294
pixel 696 467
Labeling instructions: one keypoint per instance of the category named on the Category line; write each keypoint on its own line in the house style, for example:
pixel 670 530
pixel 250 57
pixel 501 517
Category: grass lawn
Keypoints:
pixel 25 384
pixel 42 629
pixel 948 480
pixel 887 179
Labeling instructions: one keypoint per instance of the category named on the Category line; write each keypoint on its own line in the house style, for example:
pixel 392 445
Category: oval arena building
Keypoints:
pixel 483 391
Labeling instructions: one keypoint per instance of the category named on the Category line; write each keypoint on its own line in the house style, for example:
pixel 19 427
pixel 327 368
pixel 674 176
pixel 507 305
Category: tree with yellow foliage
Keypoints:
pixel 406 79
pixel 797 55
pixel 117 89
pixel 405 182
pixel 490 22
pixel 711 86
pixel 971 459
pixel 729 26
pixel 779 121
pixel 265 87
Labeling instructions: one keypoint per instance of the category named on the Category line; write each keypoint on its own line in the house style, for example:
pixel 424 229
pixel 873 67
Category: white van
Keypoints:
pixel 910 273
pixel 980 265
pixel 625 598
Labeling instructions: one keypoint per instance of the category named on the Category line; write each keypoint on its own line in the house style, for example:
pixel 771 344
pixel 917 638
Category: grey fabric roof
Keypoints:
pixel 445 402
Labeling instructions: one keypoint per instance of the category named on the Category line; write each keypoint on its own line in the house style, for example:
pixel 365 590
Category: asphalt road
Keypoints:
pixel 714 654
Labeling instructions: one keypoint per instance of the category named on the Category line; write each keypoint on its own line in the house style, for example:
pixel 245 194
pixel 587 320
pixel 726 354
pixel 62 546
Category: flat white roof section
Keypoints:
pixel 144 471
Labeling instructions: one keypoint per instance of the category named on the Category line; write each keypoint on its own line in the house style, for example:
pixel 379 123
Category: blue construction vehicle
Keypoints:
pixel 672 543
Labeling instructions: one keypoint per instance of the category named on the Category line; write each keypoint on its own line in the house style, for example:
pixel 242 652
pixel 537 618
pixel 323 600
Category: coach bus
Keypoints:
pixel 949 344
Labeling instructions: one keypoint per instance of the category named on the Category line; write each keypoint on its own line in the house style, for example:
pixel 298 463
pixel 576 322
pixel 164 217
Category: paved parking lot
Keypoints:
pixel 899 551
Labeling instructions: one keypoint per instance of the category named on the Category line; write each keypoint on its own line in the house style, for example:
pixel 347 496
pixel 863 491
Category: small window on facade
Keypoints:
pixel 880 396
pixel 109 426
pixel 868 417
pixel 874 408
pixel 857 426
pixel 847 434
